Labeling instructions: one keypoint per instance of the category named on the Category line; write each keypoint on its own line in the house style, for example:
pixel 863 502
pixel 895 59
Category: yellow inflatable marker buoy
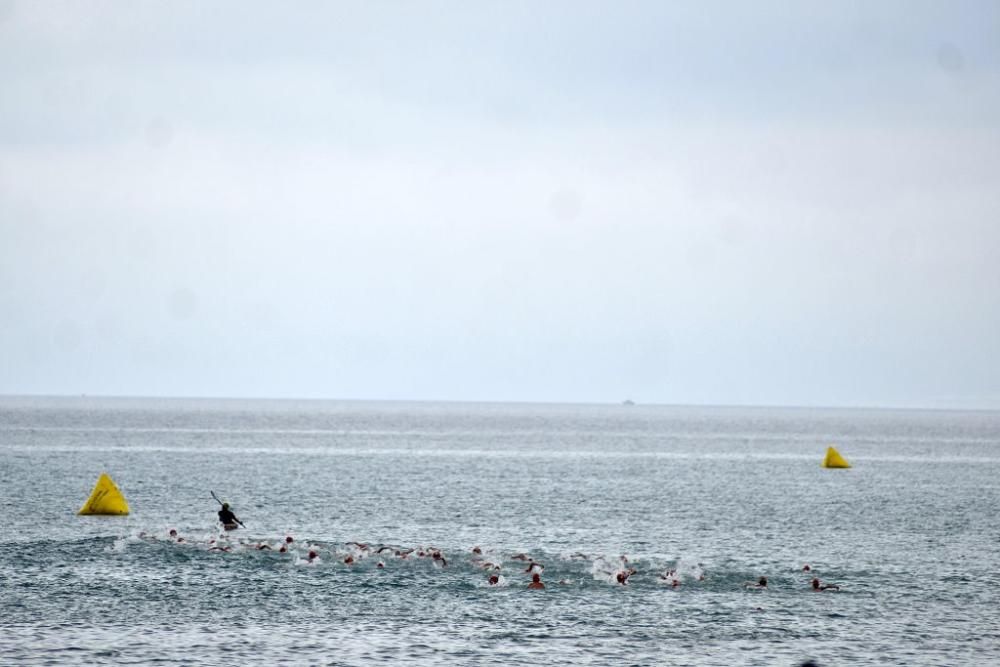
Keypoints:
pixel 833 459
pixel 106 498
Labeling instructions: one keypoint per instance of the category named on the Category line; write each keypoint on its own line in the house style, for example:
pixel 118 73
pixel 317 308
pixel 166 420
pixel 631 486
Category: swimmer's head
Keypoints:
pixel 536 577
pixel 762 581
pixel 815 583
pixel 494 580
pixel 173 532
pixel 289 540
pixel 225 506
pixel 806 568
pixel 312 554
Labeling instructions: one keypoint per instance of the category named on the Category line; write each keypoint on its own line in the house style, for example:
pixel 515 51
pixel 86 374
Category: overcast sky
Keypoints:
pixel 704 203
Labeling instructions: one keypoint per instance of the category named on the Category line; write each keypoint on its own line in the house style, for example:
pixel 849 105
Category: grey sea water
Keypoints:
pixel 910 533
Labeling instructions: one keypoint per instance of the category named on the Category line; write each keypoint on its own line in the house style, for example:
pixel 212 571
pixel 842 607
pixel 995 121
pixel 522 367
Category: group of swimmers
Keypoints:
pixel 816 584
pixel 616 571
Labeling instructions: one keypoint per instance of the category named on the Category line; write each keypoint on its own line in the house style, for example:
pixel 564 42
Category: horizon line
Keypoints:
pixel 624 403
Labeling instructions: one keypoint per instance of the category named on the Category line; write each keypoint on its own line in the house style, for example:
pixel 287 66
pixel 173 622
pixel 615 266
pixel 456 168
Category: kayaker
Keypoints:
pixel 228 519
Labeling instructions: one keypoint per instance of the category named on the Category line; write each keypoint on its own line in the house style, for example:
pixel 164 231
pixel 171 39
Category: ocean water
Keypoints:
pixel 721 496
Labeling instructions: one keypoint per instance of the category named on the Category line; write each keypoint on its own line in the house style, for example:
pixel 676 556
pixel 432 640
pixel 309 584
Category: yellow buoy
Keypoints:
pixel 106 498
pixel 833 459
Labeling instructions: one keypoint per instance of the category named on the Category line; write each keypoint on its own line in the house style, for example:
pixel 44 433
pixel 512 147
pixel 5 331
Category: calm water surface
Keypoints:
pixel 910 533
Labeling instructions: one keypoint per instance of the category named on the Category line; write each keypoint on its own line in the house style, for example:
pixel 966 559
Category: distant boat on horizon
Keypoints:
pixel 628 401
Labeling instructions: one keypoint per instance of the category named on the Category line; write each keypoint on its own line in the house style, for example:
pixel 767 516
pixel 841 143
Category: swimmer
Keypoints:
pixel 671 577
pixel 477 550
pixel 817 586
pixel 494 580
pixel 536 582
pixel 611 571
pixel 313 556
pixel 174 536
pixel 761 583
pixel 380 565
pixel 439 559
pixel 348 561
pixel 806 568
pixel 521 556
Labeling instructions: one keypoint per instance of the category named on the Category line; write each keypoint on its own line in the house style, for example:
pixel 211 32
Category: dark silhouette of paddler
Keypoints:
pixel 228 519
